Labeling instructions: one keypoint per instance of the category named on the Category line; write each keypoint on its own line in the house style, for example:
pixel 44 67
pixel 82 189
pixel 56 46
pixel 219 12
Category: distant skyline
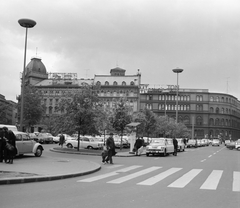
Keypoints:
pixel 92 37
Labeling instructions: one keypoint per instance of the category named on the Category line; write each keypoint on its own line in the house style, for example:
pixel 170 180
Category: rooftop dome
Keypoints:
pixel 35 65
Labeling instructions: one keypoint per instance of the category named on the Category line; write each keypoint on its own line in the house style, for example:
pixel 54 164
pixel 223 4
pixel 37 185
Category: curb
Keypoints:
pixel 45 178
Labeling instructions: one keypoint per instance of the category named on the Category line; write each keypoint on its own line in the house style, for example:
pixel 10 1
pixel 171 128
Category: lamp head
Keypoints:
pixel 27 23
pixel 177 70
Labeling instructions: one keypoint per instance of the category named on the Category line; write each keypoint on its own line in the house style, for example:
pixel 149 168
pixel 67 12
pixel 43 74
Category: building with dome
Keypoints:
pixel 206 113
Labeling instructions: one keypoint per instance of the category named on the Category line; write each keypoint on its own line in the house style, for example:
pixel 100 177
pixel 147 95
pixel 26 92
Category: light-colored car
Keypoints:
pixel 237 144
pixel 215 142
pixel 66 137
pixel 85 143
pixel 162 146
pixel 226 142
pixel 192 143
pixel 181 145
pixel 117 141
pixel 45 138
pixel 25 144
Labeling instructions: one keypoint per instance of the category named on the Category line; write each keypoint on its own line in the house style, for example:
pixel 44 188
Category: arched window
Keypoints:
pixel 115 83
pixel 211 99
pixel 180 119
pixel 211 110
pixel 223 122
pixel 222 111
pixel 188 98
pixel 124 83
pixel 211 121
pixel 185 98
pixel 217 99
pixel 106 83
pixel 217 110
pixel 222 99
pixel 132 83
pixel 186 120
pixel 199 120
pixel 98 83
pixel 216 122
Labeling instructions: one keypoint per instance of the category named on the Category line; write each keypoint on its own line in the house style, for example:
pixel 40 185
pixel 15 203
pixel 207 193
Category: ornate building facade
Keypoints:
pixel 208 114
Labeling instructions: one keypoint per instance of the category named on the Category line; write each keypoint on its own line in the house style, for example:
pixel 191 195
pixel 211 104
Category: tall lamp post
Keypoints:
pixel 27 23
pixel 177 70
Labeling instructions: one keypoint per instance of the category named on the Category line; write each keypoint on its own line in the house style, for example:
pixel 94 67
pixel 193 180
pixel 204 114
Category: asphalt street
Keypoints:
pixel 202 177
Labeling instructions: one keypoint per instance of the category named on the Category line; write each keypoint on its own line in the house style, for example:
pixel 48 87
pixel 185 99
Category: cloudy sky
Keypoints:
pixel 90 37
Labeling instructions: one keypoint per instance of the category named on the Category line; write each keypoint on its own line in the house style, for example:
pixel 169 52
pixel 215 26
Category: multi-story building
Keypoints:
pixel 209 114
pixel 8 111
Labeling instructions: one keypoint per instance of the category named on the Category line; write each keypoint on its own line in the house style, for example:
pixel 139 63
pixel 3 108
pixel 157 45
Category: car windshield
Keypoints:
pixel 215 140
pixel 159 141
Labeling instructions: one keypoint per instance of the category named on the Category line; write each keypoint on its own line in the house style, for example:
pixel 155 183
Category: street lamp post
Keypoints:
pixel 177 70
pixel 27 23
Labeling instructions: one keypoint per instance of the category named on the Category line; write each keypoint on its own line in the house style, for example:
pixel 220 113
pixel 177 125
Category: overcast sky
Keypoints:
pixel 90 37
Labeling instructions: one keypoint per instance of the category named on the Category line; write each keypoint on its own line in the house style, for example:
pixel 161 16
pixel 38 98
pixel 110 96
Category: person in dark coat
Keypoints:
pixel 61 140
pixel 110 148
pixel 138 144
pixel 175 144
pixel 10 147
pixel 2 145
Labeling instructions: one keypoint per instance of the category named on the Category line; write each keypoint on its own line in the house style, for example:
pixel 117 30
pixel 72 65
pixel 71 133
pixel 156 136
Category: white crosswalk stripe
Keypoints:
pixel 185 179
pixel 159 177
pixel 236 181
pixel 134 175
pixel 211 182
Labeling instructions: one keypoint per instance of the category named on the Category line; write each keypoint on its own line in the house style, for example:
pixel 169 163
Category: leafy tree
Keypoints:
pixel 121 116
pixel 33 109
pixel 4 108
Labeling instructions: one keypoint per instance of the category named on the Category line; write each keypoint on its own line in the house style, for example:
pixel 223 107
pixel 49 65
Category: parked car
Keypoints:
pixel 226 142
pixel 117 141
pixel 66 137
pixel 231 145
pixel 45 138
pixel 25 144
pixel 237 145
pixel 181 145
pixel 215 142
pixel 162 146
pixel 33 136
pixel 85 142
pixel 192 143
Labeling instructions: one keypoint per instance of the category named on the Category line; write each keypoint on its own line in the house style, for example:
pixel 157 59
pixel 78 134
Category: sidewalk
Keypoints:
pixel 32 169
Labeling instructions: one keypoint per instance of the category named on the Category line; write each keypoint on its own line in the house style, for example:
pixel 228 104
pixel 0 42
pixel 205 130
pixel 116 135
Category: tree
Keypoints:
pixel 121 116
pixel 4 108
pixel 33 109
pixel 81 112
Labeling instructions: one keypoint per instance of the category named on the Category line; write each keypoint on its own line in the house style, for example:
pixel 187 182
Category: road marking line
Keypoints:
pixel 99 177
pixel 236 181
pixel 185 179
pixel 159 177
pixel 203 160
pixel 212 181
pixel 134 175
pixel 210 156
pixel 112 166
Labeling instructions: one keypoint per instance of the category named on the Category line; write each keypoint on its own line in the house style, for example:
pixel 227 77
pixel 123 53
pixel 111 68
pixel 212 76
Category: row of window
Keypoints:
pixel 222 99
pixel 217 110
pixel 115 83
pixel 223 122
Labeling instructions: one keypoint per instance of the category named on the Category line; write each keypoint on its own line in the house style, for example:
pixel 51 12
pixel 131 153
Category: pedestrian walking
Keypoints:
pixel 10 147
pixel 2 145
pixel 138 146
pixel 104 154
pixel 61 139
pixel 175 144
pixel 110 148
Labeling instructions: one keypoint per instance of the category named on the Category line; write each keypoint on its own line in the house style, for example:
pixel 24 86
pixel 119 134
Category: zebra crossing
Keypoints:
pixel 136 171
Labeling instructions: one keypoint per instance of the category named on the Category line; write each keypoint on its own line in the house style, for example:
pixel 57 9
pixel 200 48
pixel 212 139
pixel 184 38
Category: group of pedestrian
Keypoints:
pixel 108 150
pixel 7 145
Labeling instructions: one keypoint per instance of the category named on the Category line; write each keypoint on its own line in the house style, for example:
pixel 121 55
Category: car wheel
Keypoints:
pixel 238 148
pixel 38 152
pixel 89 147
pixel 69 146
pixel 147 154
pixel 183 149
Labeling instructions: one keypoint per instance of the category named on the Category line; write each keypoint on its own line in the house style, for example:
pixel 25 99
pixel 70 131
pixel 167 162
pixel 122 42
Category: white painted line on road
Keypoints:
pixel 185 179
pixel 203 160
pixel 134 175
pixel 210 156
pixel 212 181
pixel 214 153
pixel 236 181
pixel 159 177
pixel 99 177
pixel 112 166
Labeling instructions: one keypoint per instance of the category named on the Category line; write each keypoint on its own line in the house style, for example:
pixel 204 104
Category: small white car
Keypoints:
pixel 25 144
pixel 162 146
pixel 215 142
pixel 237 144
pixel 85 143
pixel 181 145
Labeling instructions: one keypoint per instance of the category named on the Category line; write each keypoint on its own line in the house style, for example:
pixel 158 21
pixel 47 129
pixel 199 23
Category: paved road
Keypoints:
pixel 203 177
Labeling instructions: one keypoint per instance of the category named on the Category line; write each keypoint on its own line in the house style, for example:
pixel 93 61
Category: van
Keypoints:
pixel 10 127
